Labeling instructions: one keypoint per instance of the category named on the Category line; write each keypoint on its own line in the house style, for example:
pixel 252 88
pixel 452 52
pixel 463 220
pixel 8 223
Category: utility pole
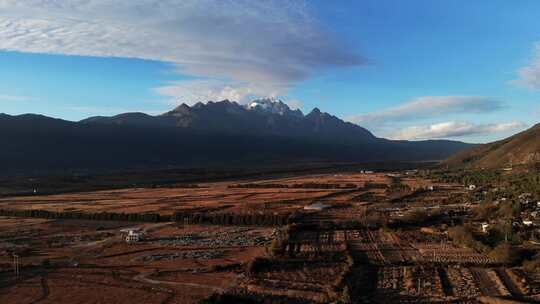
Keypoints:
pixel 16 264
pixel 186 221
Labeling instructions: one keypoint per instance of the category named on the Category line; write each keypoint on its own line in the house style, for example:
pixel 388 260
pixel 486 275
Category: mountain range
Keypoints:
pixel 260 117
pixel 224 133
pixel 520 149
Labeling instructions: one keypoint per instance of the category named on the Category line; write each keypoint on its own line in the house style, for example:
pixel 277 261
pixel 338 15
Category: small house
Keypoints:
pixel 471 187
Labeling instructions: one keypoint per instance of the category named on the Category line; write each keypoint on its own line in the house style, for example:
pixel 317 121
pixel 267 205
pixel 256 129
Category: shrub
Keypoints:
pixel 463 236
pixel 256 265
pixel 505 253
pixel 277 248
pixel 485 211
pixel 532 265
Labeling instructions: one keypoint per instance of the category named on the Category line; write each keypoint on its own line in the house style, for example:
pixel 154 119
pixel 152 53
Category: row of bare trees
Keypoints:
pixel 248 219
pixel 297 186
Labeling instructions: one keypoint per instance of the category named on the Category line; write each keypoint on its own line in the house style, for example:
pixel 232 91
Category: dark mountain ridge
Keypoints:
pixel 204 135
pixel 230 117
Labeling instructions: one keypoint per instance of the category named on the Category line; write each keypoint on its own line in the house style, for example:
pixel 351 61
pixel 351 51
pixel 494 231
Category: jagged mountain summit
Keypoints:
pixel 261 116
pixel 274 106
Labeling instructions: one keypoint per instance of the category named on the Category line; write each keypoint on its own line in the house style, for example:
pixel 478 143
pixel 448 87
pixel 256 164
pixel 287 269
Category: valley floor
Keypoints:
pixel 355 237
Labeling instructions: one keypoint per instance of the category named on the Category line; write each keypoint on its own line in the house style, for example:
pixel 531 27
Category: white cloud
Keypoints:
pixel 453 129
pixel 252 43
pixel 430 106
pixel 202 90
pixel 193 91
pixel 529 76
pixel 15 98
pixel 294 104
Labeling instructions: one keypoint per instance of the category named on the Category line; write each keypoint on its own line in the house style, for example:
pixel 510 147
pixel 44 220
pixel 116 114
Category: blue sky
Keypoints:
pixel 466 70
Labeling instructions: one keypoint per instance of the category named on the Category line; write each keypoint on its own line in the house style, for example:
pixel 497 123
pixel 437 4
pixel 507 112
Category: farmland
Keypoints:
pixel 354 237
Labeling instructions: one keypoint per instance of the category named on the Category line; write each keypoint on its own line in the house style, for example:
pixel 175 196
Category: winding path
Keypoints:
pixel 142 277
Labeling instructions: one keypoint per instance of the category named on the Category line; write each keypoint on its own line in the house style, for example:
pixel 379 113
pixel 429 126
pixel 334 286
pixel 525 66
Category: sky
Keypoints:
pixel 416 69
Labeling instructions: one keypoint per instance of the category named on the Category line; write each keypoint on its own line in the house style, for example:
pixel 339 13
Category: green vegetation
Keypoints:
pixel 507 184
pixel 502 198
pixel 503 252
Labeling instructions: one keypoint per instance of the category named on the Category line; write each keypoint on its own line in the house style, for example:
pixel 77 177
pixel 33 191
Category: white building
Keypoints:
pixel 527 222
pixel 472 187
pixel 485 227
pixel 318 206
pixel 133 236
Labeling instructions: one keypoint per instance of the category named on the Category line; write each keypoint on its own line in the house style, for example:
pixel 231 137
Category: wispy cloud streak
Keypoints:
pixel 266 44
pixel 430 106
pixel 453 129
pixel 14 98
pixel 529 76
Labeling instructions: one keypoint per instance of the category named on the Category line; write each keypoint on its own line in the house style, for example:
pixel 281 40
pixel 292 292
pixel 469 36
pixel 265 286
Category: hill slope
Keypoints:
pixel 520 149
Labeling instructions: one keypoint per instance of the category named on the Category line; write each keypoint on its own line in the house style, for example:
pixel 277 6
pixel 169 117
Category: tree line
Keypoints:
pixel 296 186
pixel 247 219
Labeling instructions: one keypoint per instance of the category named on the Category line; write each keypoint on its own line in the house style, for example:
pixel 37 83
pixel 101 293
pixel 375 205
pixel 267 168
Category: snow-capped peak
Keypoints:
pixel 272 105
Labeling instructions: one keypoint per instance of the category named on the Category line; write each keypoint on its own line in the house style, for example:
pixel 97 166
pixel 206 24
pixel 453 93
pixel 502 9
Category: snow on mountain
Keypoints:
pixel 272 105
